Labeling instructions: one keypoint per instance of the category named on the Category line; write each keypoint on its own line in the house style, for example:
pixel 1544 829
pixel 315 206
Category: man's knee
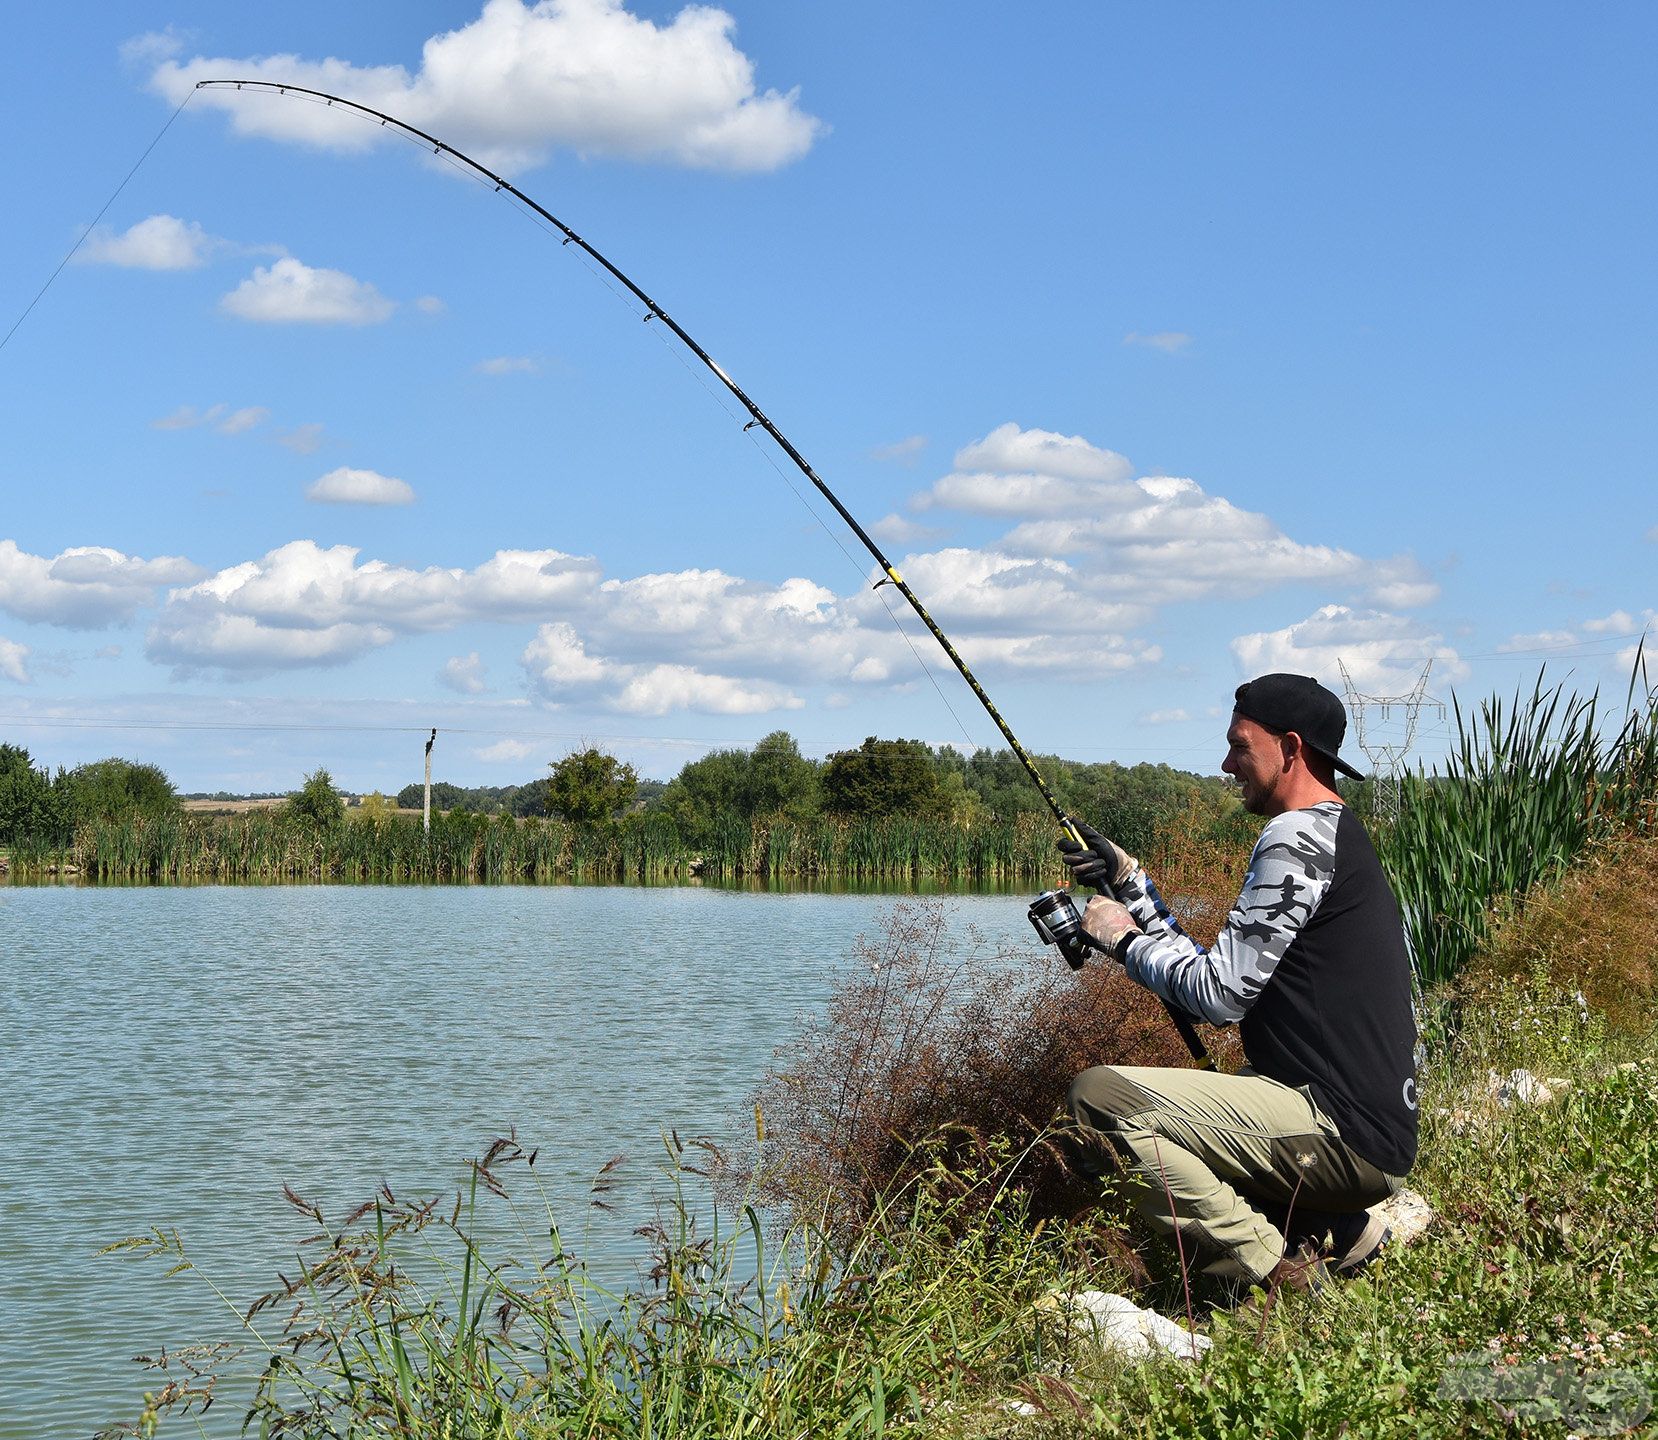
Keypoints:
pixel 1104 1095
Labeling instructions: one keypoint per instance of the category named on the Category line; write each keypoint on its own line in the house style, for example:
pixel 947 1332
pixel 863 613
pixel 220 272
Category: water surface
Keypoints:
pixel 173 1056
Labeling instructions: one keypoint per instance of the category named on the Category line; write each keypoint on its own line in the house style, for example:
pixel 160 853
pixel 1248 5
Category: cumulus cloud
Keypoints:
pixel 522 81
pixel 13 661
pixel 1383 653
pixel 304 604
pixel 509 365
pixel 161 242
pixel 290 292
pixel 505 750
pixel 87 587
pixel 1166 717
pixel 562 670
pixel 1153 540
pixel 1170 342
pixel 346 486
pixel 463 674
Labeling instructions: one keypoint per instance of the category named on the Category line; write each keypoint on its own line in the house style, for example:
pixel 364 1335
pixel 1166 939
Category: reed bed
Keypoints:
pixel 1530 783
pixel 265 845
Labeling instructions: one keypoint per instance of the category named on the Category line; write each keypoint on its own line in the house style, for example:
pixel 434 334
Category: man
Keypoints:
pixel 1312 968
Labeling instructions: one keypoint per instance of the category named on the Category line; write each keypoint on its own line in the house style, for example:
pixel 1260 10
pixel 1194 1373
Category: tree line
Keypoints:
pixel 591 788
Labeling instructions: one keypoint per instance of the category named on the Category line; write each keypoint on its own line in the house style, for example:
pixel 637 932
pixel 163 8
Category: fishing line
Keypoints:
pixel 113 196
pixel 721 399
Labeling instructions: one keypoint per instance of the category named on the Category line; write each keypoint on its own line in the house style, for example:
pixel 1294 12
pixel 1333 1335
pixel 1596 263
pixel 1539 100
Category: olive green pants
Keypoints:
pixel 1233 1163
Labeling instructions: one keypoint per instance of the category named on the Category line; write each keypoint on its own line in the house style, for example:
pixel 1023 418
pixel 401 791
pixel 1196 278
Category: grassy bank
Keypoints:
pixel 1537 1288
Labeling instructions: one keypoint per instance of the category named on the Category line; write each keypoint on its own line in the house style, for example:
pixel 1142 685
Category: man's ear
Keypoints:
pixel 1293 748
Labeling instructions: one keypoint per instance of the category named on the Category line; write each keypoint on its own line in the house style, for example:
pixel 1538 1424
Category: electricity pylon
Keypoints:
pixel 1386 749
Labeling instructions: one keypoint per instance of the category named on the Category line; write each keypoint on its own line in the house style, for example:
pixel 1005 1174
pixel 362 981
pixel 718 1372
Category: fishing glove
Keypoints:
pixel 1112 925
pixel 1103 865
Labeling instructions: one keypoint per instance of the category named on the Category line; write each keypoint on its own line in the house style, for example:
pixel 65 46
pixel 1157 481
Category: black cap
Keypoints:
pixel 1298 702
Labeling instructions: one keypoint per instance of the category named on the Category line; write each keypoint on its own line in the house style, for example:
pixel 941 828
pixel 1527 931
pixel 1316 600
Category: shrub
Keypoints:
pixel 1589 932
pixel 317 804
pixel 920 1038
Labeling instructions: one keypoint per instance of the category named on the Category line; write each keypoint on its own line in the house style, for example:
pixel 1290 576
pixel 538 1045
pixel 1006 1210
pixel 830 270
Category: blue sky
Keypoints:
pixel 1160 346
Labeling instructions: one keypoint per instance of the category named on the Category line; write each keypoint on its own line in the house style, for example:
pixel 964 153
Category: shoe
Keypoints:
pixel 1301 1269
pixel 1365 1248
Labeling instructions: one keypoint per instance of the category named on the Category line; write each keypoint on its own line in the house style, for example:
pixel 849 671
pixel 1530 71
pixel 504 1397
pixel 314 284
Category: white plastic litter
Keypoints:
pixel 1406 1214
pixel 1115 1322
pixel 1525 1087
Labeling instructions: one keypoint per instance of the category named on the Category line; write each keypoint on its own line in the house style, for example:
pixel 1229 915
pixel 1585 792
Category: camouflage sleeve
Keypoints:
pixel 1289 873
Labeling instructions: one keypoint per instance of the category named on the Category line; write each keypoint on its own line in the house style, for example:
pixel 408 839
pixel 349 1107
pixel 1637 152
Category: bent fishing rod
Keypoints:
pixel 758 418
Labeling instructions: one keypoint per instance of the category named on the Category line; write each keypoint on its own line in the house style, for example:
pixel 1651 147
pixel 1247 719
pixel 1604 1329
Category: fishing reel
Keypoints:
pixel 1055 917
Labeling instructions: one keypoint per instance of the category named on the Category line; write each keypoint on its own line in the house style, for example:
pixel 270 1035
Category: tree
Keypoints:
pixel 316 803
pixel 375 809
pixel 780 780
pixel 107 789
pixel 29 805
pixel 590 787
pixel 882 777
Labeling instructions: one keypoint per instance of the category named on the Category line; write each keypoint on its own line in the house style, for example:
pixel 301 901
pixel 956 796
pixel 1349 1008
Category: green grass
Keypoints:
pixel 1528 785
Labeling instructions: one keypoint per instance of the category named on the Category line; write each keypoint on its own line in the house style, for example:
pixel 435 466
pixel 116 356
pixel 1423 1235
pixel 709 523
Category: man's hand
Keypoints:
pixel 1103 865
pixel 1112 925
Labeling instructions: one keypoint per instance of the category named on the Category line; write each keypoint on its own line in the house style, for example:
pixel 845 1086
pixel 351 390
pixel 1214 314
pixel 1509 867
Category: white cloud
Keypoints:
pixel 187 417
pixel 249 417
pixel 1008 450
pixel 905 451
pixel 13 658
pixel 521 81
pixel 345 486
pixel 996 593
pixel 290 292
pixel 302 604
pixel 303 439
pixel 898 530
pixel 562 670
pixel 509 365
pixel 506 750
pixel 1157 539
pixel 1170 342
pixel 429 305
pixel 86 587
pixel 1586 639
pixel 1165 717
pixel 1383 653
pixel 1619 622
pixel 464 674
pixel 161 242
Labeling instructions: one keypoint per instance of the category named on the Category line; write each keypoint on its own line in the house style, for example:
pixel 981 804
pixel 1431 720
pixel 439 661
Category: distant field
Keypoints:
pixel 228 807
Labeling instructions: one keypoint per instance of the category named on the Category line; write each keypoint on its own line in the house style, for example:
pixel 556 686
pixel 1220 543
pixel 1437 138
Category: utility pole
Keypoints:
pixel 1386 751
pixel 426 815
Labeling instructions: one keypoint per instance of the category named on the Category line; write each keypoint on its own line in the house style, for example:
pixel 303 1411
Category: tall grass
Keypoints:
pixel 265 845
pixel 399 1322
pixel 1529 783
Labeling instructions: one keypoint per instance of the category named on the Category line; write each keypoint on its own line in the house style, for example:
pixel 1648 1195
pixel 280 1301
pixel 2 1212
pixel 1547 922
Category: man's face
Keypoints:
pixel 1255 759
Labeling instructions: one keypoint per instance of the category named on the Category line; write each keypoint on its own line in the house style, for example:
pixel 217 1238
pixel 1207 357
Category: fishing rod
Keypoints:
pixel 758 418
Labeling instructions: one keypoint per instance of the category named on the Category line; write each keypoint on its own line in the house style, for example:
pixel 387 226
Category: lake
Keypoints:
pixel 173 1056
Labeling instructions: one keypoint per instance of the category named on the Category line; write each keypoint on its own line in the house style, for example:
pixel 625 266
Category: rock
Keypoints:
pixel 1407 1214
